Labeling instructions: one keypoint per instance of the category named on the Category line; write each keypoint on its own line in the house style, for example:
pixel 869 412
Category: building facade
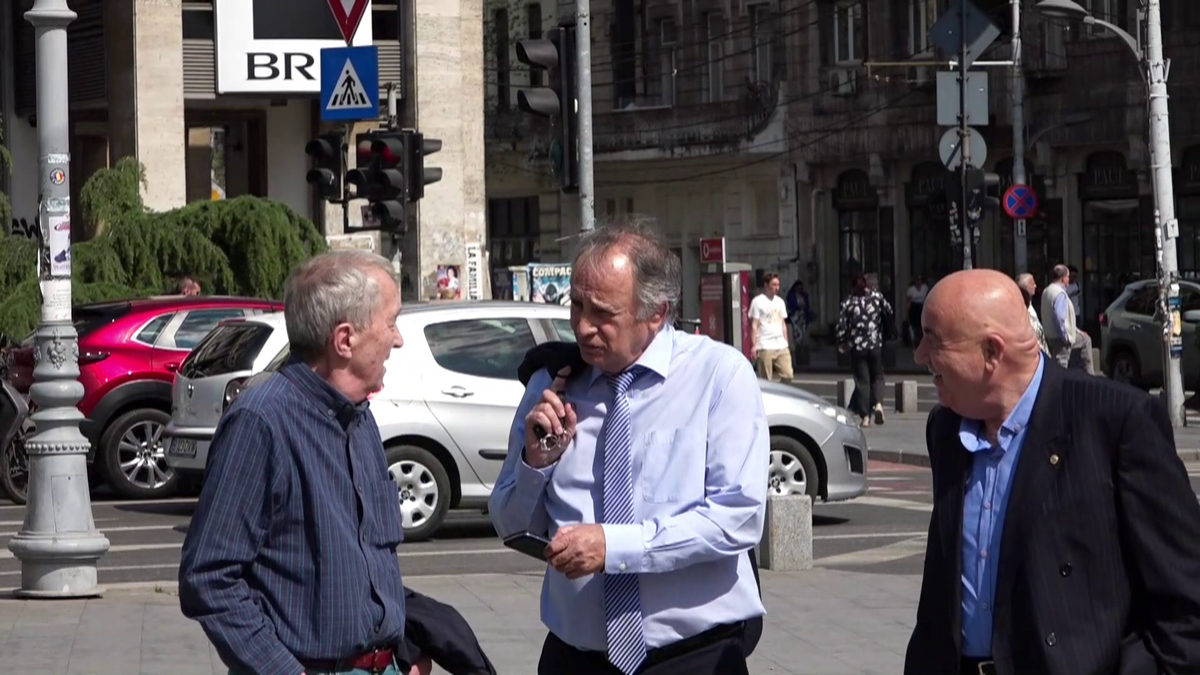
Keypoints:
pixel 689 101
pixel 866 132
pixel 217 98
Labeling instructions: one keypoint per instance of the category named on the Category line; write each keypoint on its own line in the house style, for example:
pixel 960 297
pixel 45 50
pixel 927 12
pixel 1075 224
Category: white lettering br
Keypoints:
pixel 265 66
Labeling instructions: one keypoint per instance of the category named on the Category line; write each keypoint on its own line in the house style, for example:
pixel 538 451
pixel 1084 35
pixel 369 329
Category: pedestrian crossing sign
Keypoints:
pixel 349 84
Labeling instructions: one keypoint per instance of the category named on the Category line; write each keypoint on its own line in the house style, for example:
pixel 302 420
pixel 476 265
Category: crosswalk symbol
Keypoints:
pixel 348 93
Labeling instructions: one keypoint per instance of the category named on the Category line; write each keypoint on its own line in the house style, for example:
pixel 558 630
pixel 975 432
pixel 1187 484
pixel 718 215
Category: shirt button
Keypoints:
pixel 983 553
pixel 622 567
pixel 987 505
pixel 986 606
pixel 1051 639
pixel 329 413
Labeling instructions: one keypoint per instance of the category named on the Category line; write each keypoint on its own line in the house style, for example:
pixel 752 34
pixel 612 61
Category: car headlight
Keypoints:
pixel 841 415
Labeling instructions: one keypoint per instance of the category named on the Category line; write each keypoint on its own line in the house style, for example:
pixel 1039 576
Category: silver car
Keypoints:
pixel 210 378
pixel 451 392
pixel 1131 347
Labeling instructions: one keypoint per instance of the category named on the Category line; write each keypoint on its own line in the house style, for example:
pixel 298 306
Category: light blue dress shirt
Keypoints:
pixel 701 455
pixel 983 515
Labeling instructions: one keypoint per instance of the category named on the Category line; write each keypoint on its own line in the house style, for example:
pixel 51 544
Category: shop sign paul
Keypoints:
pixel 274 46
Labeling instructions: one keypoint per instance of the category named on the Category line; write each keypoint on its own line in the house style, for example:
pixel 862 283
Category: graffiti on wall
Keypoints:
pixel 23 228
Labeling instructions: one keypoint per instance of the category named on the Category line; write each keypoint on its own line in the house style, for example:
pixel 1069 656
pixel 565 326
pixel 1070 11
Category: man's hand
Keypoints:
pixel 556 418
pixel 577 550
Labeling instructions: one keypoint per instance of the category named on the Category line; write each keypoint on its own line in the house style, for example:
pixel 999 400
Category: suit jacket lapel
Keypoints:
pixel 950 499
pixel 1046 442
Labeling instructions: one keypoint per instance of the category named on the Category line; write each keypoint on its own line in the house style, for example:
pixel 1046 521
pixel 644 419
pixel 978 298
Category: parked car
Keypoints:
pixel 210 378
pixel 451 392
pixel 129 351
pixel 1131 348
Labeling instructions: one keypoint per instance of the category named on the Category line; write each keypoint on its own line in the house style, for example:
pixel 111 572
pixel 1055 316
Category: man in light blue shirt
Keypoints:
pixel 657 489
pixel 1060 321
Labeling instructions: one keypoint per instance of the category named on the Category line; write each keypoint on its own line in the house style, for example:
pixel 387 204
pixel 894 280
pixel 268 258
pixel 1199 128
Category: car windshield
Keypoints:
pixel 229 348
pixel 88 320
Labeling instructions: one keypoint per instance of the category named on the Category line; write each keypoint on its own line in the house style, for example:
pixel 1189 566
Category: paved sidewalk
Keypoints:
pixel 821 622
pixel 902 439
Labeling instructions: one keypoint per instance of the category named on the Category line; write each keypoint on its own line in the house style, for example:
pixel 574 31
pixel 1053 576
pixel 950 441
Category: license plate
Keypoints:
pixel 184 447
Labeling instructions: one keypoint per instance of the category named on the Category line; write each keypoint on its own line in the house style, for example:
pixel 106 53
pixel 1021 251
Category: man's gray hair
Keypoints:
pixel 329 289
pixel 1024 279
pixel 1060 272
pixel 657 274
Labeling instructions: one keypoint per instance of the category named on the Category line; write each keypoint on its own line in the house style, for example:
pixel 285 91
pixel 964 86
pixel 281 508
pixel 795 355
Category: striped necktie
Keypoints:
pixel 622 598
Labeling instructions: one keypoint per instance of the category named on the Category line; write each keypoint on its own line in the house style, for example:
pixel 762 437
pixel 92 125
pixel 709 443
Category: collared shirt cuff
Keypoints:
pixel 624 548
pixel 531 482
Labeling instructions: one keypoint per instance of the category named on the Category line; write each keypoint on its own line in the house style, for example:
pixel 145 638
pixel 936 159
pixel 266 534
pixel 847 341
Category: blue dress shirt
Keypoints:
pixel 291 554
pixel 983 515
pixel 701 455
pixel 1060 316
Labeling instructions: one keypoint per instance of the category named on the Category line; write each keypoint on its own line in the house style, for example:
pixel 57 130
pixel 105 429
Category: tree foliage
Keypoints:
pixel 244 246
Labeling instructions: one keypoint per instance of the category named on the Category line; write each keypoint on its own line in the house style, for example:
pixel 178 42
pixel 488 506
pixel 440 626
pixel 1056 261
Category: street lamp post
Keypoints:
pixel 58 545
pixel 1166 227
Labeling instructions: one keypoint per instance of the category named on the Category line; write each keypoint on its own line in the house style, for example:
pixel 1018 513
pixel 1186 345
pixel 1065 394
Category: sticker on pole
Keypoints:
pixel 350 84
pixel 1020 202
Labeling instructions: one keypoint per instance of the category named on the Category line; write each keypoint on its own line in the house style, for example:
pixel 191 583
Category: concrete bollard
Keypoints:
pixel 787 535
pixel 906 396
pixel 845 392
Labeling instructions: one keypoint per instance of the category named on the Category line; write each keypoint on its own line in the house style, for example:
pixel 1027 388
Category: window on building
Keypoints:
pixel 1113 11
pixel 711 81
pixel 533 19
pixel 761 38
pixel 921 14
pixel 385 22
pixel 848 31
pixel 514 238
pixel 660 87
pixel 503 73
pixel 198 21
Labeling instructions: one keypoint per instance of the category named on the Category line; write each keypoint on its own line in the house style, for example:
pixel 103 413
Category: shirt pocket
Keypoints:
pixel 385 500
pixel 674 466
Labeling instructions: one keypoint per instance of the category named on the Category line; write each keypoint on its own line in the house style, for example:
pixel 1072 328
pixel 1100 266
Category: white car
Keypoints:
pixel 451 392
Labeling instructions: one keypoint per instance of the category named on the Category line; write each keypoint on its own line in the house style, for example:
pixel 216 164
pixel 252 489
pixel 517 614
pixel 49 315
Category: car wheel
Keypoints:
pixel 423 487
pixel 135 455
pixel 1124 368
pixel 793 469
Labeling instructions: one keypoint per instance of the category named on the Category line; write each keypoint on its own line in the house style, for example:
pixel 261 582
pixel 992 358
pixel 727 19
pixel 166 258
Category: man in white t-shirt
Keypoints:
pixel 768 332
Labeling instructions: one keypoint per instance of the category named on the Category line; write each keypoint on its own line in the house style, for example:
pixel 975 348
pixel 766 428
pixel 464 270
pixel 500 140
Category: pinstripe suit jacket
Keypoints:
pixel 1099 570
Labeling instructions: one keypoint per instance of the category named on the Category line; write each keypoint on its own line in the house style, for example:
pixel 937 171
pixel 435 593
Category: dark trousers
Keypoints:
pixel 867 366
pixel 713 652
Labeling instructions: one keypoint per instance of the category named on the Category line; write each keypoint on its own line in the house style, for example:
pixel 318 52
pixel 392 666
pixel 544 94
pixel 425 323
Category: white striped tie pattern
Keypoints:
pixel 622 599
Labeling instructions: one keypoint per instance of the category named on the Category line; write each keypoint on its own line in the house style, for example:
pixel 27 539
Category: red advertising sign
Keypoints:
pixel 712 251
pixel 348 14
pixel 712 306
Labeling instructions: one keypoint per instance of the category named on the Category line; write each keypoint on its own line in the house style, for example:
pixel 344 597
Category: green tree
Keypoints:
pixel 244 246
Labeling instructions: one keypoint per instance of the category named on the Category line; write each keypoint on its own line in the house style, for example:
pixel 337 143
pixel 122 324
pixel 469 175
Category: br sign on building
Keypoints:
pixel 274 46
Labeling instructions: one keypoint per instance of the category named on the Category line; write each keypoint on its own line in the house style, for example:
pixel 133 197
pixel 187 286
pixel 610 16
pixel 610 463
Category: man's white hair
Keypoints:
pixel 332 288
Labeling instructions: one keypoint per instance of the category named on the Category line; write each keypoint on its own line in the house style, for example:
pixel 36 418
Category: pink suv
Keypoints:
pixel 129 351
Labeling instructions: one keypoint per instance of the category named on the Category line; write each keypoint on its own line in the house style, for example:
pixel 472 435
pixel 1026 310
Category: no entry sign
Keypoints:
pixel 1020 202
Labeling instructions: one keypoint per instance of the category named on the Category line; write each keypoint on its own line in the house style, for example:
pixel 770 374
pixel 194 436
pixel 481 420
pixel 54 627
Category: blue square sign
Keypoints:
pixel 349 84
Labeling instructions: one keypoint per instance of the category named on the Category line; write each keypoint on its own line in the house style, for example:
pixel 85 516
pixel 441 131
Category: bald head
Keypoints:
pixel 977 303
pixel 979 345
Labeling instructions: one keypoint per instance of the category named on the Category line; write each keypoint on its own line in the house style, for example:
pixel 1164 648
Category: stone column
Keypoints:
pixel 143 45
pixel 449 92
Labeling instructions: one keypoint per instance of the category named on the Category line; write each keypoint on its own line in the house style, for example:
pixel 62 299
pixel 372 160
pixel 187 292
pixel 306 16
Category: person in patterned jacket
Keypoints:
pixel 860 333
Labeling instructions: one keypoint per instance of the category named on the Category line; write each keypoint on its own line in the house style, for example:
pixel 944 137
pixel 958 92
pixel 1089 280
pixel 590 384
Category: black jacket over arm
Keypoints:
pixel 1099 561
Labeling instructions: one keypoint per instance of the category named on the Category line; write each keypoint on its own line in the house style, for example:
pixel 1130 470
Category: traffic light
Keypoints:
pixel 326 174
pixel 380 177
pixel 418 174
pixel 978 182
pixel 556 54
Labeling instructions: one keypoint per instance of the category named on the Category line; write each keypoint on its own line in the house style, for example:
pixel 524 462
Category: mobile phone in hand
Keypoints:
pixel 532 545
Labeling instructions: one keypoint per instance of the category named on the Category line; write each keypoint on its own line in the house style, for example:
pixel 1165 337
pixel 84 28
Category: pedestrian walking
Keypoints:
pixel 1063 334
pixel 800 313
pixel 289 563
pixel 1028 286
pixel 1065 537
pixel 769 332
pixel 653 487
pixel 862 321
pixel 915 297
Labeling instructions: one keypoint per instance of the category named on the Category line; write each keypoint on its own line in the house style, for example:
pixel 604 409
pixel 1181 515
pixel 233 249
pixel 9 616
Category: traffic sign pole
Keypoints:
pixel 963 145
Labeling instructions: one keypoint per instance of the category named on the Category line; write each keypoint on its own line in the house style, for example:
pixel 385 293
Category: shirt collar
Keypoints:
pixel 656 358
pixel 335 403
pixel 971 431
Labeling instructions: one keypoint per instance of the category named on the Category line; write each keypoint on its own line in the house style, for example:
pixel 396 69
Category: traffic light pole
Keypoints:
pixel 58 544
pixel 1020 248
pixel 587 182
pixel 964 146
